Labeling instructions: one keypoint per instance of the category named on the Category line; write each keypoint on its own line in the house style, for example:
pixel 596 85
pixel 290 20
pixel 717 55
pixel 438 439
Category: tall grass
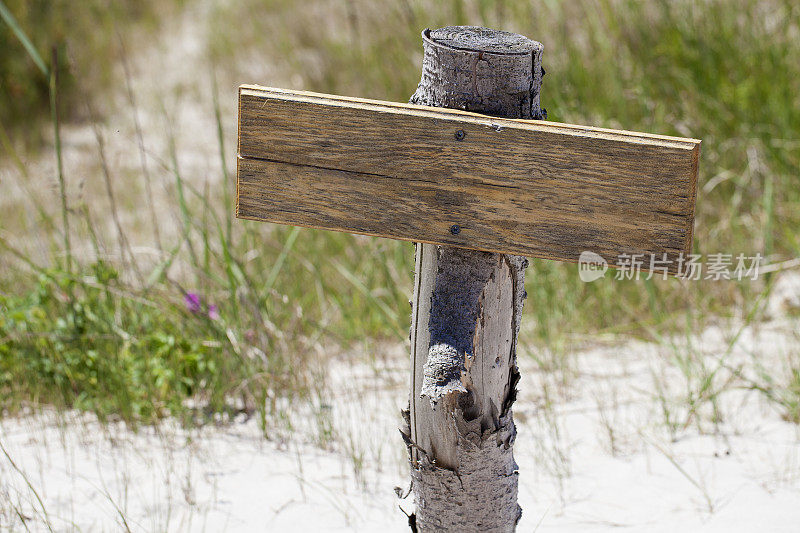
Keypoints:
pixel 725 72
pixel 132 334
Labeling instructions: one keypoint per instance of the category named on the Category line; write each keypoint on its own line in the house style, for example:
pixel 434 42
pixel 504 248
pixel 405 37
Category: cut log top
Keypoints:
pixel 477 39
pixel 487 71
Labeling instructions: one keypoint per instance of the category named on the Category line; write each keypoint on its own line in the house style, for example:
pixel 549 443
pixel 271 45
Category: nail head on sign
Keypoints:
pixel 455 229
pixel 460 135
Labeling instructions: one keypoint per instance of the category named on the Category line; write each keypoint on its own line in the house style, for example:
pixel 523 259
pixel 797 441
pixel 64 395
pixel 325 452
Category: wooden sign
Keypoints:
pixel 434 175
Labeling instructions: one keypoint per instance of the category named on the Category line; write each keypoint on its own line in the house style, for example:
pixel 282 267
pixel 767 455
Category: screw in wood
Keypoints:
pixel 460 135
pixel 455 229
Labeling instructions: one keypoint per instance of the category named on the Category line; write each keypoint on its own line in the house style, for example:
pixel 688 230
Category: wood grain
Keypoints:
pixel 524 187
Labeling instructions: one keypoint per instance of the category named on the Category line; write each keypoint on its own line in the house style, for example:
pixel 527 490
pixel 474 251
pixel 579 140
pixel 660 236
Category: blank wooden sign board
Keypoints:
pixel 434 175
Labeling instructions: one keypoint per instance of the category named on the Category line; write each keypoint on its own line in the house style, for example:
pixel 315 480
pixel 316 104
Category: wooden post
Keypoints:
pixel 476 189
pixel 466 309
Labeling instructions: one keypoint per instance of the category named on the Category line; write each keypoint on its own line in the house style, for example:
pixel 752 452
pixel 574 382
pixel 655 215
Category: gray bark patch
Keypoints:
pixel 480 496
pixel 455 311
pixel 443 370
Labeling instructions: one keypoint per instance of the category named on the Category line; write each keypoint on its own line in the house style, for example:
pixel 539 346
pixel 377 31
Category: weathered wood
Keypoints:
pixel 466 314
pixel 411 172
pixel 465 320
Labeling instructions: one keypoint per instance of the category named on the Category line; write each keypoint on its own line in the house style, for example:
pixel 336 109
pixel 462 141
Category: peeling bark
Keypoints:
pixel 466 311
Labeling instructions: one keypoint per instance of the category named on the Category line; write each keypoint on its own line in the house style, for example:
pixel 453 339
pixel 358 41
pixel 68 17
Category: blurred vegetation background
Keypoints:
pixel 88 319
pixel 87 35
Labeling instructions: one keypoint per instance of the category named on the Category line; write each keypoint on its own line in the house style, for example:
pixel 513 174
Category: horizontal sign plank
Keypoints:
pixel 442 176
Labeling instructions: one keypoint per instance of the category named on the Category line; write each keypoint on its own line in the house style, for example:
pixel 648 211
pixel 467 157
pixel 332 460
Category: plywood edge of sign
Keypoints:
pixel 687 248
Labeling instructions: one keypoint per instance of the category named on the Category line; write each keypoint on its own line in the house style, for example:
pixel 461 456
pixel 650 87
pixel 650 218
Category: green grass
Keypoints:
pixel 114 335
pixel 109 351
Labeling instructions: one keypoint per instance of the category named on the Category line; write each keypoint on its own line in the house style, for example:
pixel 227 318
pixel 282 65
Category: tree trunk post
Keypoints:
pixel 466 309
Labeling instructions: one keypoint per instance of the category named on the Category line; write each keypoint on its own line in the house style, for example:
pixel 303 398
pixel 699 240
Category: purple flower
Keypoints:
pixel 192 302
pixel 195 304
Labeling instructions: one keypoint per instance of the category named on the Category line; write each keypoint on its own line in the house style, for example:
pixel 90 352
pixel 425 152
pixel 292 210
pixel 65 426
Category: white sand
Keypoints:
pixel 740 475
